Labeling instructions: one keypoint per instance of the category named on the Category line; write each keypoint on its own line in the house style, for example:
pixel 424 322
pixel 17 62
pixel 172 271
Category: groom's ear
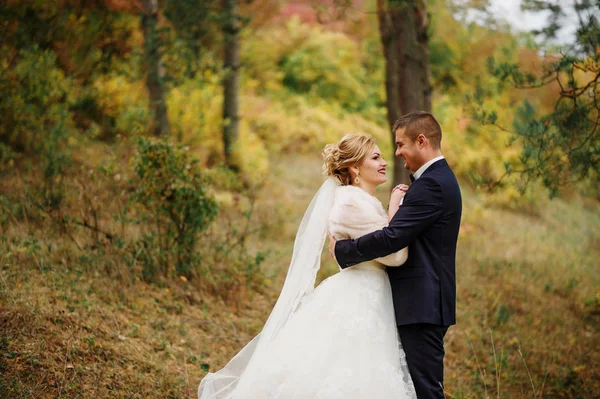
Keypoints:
pixel 421 140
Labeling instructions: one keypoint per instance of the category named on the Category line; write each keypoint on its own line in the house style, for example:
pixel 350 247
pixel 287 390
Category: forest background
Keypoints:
pixel 157 156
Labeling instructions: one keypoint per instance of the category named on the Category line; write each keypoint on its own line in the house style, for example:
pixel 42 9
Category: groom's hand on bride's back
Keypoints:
pixel 332 242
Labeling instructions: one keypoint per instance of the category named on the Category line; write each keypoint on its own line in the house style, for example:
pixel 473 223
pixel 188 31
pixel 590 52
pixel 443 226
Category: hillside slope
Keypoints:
pixel 528 308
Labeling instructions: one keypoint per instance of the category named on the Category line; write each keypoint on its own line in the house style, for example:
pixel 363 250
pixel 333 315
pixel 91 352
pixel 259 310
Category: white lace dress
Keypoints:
pixel 342 342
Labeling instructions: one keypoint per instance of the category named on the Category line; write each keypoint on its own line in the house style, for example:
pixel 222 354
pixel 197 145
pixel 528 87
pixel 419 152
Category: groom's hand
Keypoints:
pixel 332 242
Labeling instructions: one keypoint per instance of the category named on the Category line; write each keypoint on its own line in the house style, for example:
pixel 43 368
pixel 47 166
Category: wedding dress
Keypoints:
pixel 336 341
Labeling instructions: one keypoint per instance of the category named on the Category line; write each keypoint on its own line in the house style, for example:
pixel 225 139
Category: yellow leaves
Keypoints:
pixel 116 93
pixel 125 101
pixel 308 59
pixel 267 127
pixel 224 198
pixel 251 155
pixel 296 125
pixel 195 116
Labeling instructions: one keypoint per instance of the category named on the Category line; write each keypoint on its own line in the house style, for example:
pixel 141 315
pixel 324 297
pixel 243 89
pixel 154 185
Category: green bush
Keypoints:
pixel 175 203
pixel 315 62
pixel 35 99
pixel 123 103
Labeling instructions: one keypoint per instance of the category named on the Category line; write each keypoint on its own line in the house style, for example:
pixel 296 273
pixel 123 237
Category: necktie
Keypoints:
pixel 412 178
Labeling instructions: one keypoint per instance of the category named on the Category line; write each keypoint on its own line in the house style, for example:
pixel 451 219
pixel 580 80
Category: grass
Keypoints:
pixel 528 311
pixel 75 322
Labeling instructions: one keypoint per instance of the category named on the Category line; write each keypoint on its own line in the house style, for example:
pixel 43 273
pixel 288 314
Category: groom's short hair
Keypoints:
pixel 420 122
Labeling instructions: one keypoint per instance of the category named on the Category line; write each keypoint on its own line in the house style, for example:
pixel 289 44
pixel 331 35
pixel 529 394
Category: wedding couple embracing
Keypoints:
pixel 375 329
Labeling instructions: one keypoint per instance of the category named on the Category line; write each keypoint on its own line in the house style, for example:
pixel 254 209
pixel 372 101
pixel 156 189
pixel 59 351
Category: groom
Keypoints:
pixel 424 288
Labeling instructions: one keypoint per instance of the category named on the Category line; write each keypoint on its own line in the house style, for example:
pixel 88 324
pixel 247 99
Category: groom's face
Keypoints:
pixel 408 150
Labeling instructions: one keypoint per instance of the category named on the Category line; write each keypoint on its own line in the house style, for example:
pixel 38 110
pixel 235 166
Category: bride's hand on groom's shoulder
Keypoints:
pixel 397 195
pixel 402 188
pixel 396 198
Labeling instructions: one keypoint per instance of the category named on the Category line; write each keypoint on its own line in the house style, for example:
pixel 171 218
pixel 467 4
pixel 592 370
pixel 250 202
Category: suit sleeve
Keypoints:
pixel 422 206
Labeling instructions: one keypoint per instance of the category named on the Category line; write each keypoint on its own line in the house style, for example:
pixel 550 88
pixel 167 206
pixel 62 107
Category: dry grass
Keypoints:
pixel 528 290
pixel 70 336
pixel 528 311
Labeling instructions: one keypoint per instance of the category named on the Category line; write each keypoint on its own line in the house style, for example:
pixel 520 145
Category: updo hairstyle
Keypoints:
pixel 351 150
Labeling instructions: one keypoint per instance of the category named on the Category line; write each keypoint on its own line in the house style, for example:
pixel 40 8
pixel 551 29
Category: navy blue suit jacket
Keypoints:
pixel 424 288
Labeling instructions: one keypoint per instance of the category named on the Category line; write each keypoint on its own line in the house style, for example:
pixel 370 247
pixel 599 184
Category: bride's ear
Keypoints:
pixel 353 171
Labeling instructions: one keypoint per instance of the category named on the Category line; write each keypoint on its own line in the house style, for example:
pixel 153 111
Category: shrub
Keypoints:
pixel 35 98
pixel 173 194
pixel 315 62
pixel 195 115
pixel 125 102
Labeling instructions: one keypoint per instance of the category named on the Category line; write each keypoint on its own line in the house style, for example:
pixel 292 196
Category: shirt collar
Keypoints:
pixel 423 168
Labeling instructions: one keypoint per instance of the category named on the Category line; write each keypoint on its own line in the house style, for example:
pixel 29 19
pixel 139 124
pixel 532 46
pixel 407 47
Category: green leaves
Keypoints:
pixel 327 65
pixel 173 193
pixel 34 99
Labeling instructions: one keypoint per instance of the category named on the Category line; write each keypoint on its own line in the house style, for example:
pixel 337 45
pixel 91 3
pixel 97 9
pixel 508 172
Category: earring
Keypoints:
pixel 356 179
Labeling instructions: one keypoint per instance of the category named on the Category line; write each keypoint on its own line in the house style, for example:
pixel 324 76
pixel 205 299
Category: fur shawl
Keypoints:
pixel 355 213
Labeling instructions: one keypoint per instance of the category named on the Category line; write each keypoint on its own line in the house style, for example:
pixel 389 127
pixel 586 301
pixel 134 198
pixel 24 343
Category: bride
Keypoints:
pixel 340 339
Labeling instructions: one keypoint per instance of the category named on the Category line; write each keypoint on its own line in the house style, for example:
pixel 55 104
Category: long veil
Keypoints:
pixel 300 281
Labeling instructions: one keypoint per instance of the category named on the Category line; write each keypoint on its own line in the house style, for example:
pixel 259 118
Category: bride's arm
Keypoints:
pixel 400 257
pixel 416 214
pixel 351 218
pixel 394 259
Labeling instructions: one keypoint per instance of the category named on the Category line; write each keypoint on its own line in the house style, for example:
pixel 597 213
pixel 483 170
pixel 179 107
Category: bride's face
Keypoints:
pixel 372 170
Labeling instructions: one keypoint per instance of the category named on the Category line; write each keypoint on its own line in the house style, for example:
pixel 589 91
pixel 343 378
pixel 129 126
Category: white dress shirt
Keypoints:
pixel 423 168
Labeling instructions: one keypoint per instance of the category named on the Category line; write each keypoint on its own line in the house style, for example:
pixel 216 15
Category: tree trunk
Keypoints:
pixel 403 27
pixel 231 81
pixel 154 81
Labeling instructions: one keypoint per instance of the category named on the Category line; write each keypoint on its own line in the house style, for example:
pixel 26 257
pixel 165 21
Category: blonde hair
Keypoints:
pixel 351 150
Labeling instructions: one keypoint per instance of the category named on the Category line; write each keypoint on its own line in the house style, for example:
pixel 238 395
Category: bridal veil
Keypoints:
pixel 299 282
